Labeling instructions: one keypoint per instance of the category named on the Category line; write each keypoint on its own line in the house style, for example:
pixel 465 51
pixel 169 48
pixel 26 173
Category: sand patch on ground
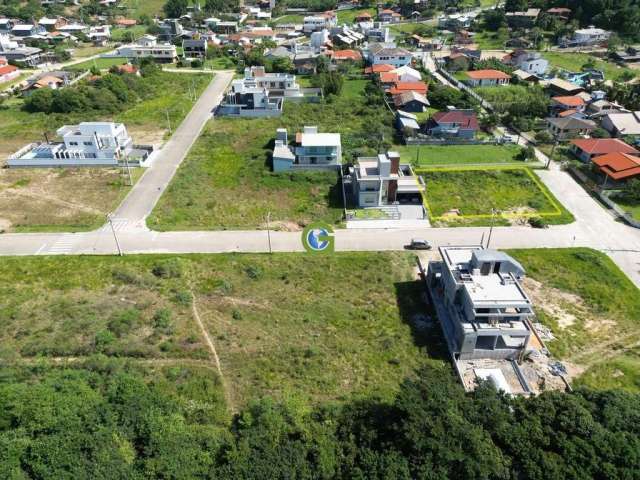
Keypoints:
pixel 553 302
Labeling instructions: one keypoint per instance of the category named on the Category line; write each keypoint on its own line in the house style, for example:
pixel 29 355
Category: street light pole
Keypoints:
pixel 269 230
pixel 491 228
pixel 115 237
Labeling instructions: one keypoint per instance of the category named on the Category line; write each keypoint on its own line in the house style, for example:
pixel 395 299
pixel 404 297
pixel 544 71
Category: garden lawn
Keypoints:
pixel 153 8
pixel 428 155
pixel 515 193
pixel 316 327
pixel 128 34
pixel 593 310
pixel 574 62
pixel 226 180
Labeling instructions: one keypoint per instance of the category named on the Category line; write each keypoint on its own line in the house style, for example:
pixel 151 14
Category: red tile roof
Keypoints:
pixel 347 55
pixel 388 77
pixel 464 119
pixel 127 68
pixel 126 22
pixel 601 146
pixel 6 69
pixel 488 75
pixel 567 113
pixel 618 165
pixel 379 68
pixel 569 101
pixel 364 15
pixel 400 87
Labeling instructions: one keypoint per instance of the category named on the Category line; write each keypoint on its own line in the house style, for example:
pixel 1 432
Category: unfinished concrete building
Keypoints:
pixel 484 312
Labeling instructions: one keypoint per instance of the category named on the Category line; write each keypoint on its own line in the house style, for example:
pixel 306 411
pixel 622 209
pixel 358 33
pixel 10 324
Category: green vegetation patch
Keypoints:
pixel 349 16
pixel 314 326
pixel 427 155
pixel 574 62
pixel 226 181
pixel 99 63
pixel 592 308
pixel 463 196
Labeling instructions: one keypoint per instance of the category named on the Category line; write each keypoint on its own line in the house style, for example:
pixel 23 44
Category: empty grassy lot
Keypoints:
pixel 592 308
pixel 100 63
pixel 226 181
pixel 318 327
pixel 79 199
pixel 515 193
pixel 349 16
pixel 428 155
pixel 574 62
pixel 54 199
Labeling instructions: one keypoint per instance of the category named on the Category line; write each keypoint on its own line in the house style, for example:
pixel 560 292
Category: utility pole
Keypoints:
pixel 166 111
pixel 115 237
pixel 491 228
pixel 269 230
pixel 553 149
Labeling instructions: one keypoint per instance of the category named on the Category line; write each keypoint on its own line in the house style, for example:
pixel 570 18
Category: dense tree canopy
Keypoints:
pixel 109 420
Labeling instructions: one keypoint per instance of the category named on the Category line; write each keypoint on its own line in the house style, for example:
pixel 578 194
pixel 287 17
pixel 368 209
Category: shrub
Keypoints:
pixel 253 272
pixel 236 315
pixel 103 339
pixel 162 319
pixel 124 321
pixel 538 222
pixel 170 268
pixel 183 297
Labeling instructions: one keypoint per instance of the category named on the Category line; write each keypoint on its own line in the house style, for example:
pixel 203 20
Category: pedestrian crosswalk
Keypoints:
pixel 119 224
pixel 61 246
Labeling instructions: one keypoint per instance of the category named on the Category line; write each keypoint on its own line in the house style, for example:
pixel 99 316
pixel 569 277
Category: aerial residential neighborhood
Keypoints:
pixel 319 239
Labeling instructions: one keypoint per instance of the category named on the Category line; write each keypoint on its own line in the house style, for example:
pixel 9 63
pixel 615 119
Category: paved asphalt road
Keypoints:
pixel 594 226
pixel 147 191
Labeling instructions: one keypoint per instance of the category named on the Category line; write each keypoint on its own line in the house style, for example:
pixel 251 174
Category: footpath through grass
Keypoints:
pixel 226 181
pixel 592 308
pixel 317 327
pixel 467 196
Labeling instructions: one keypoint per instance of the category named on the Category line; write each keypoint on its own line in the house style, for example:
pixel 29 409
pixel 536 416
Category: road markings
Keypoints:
pixel 63 245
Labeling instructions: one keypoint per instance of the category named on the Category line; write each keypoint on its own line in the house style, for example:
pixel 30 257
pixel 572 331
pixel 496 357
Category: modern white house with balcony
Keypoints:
pixel 383 180
pixel 243 100
pixel 103 144
pixel 311 150
pixel 278 84
pixel 148 47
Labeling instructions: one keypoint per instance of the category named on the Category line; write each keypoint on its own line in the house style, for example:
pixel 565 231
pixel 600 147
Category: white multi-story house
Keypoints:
pixel 246 100
pixel 585 37
pixel 384 55
pixel 313 23
pixel 383 180
pixel 103 144
pixel 148 47
pixel 99 34
pixel 311 150
pixel 278 84
pixel 530 62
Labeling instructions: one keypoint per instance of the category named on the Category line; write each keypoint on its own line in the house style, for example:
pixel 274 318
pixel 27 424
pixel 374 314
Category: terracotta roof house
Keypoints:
pixel 559 86
pixel 569 127
pixel 341 55
pixel 400 87
pixel 453 123
pixel 559 12
pixel 7 72
pixel 571 101
pixel 411 101
pixel 128 68
pixel 126 22
pixel 388 78
pixel 364 17
pixel 483 78
pixel 389 16
pixel 373 69
pixel 618 166
pixel 589 148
